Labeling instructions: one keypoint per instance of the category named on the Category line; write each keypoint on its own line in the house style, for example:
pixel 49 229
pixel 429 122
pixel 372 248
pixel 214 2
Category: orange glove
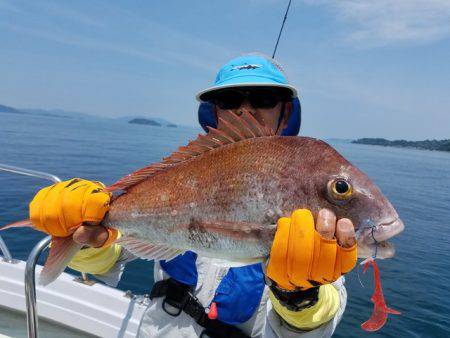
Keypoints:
pixel 60 209
pixel 301 258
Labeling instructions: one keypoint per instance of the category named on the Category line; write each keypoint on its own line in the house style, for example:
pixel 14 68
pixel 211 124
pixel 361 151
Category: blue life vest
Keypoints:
pixel 238 295
pixel 182 268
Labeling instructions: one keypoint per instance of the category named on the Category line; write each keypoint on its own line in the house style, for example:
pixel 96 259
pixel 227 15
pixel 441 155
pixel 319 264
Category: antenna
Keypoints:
pixel 281 29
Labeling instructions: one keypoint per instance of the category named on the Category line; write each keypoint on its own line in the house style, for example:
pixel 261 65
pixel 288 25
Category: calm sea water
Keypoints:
pixel 417 182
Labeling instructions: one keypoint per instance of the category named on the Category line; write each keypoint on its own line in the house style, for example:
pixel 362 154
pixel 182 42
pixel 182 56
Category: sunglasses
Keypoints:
pixel 257 97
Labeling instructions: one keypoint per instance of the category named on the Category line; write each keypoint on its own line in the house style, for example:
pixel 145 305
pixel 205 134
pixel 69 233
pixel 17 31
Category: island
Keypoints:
pixel 60 113
pixel 440 145
pixel 7 109
pixel 145 121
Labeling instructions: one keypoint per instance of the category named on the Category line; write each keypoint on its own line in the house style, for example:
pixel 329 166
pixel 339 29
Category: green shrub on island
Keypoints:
pixel 440 145
pixel 144 121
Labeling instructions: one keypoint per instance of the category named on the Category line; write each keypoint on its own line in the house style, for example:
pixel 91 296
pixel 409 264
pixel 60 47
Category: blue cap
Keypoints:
pixel 249 71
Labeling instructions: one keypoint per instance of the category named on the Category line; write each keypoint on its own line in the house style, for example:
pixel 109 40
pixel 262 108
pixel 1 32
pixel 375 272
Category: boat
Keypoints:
pixel 71 306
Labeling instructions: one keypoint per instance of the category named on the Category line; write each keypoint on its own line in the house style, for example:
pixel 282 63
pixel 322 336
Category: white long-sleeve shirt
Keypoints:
pixel 265 322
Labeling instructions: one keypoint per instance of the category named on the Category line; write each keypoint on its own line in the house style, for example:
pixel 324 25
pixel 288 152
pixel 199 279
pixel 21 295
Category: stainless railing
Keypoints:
pixel 4 249
pixel 30 286
pixel 28 172
pixel 30 268
pixel 16 170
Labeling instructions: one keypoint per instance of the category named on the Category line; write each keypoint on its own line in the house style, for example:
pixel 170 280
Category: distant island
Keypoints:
pixel 59 113
pixel 145 121
pixel 150 122
pixel 440 145
pixel 7 109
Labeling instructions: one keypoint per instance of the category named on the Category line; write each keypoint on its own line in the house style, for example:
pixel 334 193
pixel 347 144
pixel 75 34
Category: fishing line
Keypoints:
pixel 359 277
pixel 281 29
pixel 376 242
pixel 368 224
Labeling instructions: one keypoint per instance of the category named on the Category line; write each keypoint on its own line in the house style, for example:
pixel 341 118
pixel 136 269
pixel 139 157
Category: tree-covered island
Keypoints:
pixel 152 122
pixel 144 121
pixel 440 145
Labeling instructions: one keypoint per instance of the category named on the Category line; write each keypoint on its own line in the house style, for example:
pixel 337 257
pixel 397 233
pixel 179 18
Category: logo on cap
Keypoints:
pixel 246 67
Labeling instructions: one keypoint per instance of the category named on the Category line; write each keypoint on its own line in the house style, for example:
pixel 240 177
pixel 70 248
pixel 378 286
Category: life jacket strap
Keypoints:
pixel 180 297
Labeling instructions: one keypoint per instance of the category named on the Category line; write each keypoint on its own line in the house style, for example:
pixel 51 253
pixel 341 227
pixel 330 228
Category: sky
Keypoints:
pixel 362 68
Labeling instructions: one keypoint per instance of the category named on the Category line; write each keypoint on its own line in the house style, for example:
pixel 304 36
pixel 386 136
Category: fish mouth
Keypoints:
pixel 381 232
pixel 381 250
pixel 372 240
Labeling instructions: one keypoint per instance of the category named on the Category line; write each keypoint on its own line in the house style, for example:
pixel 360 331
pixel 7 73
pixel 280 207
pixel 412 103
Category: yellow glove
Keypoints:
pixel 301 258
pixel 60 209
pixel 96 261
pixel 312 316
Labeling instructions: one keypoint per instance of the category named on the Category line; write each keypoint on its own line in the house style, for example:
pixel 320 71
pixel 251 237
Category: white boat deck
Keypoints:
pixel 95 310
pixel 66 308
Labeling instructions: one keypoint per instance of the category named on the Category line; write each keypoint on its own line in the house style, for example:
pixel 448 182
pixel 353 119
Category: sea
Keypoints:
pixel 417 182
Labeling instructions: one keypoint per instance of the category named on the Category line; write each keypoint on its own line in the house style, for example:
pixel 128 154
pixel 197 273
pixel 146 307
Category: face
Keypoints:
pixel 351 194
pixel 266 105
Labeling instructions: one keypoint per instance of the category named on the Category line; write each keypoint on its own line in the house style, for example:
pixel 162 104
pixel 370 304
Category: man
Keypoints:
pixel 192 297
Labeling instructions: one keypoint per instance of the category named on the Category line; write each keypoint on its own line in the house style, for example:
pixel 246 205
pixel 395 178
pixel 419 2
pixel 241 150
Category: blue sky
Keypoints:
pixel 363 68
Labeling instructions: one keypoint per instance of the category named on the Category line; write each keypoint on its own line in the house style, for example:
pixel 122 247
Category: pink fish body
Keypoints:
pixel 222 195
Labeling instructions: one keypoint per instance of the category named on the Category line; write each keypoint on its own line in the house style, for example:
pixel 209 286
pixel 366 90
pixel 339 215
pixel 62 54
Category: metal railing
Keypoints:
pixel 16 170
pixel 4 249
pixel 30 268
pixel 30 286
pixel 29 172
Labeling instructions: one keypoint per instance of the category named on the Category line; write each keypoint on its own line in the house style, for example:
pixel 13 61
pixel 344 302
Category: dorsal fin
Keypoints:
pixel 241 128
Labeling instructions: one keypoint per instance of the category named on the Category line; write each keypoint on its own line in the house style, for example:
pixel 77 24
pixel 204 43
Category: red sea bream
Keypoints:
pixel 222 194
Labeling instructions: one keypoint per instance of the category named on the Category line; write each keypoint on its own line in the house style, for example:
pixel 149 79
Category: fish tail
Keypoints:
pixel 18 224
pixel 392 311
pixel 62 250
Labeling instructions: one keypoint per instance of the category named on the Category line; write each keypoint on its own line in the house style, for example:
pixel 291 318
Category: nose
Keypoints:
pixel 245 105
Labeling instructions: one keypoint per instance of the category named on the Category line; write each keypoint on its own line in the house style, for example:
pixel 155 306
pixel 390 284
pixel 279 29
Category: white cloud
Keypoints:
pixel 377 23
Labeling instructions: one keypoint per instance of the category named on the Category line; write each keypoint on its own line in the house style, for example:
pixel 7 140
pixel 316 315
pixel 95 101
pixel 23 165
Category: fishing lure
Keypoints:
pixel 380 309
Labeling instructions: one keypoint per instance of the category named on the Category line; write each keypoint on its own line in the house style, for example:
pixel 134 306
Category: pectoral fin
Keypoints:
pixel 148 251
pixel 236 264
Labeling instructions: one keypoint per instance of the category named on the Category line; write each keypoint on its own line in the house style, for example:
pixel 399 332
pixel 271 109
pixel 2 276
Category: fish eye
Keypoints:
pixel 340 189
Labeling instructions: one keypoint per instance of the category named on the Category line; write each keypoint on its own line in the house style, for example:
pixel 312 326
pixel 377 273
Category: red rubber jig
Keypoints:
pixel 380 309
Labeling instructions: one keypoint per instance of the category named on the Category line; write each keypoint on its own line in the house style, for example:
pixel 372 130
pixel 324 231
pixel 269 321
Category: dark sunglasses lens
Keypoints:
pixel 264 98
pixel 229 99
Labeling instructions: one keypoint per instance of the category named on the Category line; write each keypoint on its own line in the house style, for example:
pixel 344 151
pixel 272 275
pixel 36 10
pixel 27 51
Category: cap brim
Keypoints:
pixel 200 95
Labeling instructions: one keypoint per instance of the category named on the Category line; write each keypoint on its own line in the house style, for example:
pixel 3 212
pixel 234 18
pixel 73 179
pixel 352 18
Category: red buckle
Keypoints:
pixel 212 314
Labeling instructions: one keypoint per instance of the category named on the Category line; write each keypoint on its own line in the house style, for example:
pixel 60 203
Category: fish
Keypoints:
pixel 222 194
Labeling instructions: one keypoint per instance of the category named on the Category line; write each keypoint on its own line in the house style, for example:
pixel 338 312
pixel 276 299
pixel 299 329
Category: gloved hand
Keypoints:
pixel 73 207
pixel 303 257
